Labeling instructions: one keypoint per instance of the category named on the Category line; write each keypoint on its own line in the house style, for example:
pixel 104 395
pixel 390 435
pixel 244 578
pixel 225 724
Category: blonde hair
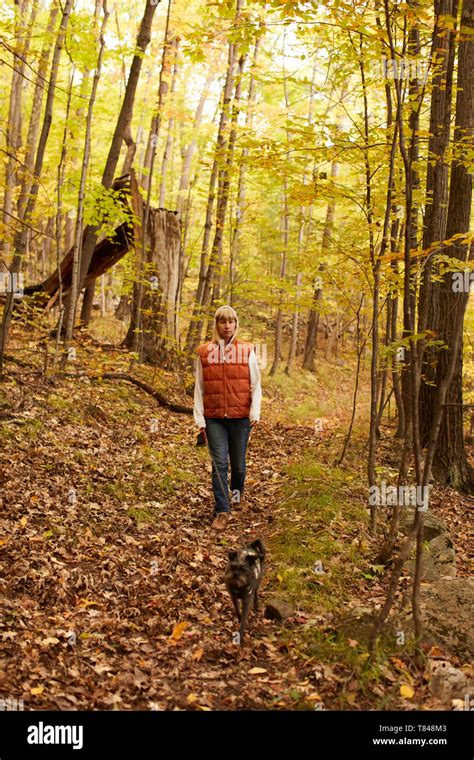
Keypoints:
pixel 225 311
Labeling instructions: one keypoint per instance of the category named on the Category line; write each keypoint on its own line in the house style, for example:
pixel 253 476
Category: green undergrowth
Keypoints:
pixel 303 396
pixel 319 539
pixel 322 565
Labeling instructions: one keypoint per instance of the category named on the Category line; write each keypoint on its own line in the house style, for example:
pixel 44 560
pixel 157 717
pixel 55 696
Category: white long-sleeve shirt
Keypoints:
pixel 255 389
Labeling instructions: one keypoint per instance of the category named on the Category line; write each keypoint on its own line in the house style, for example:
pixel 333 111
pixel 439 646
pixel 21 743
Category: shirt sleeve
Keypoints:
pixel 255 387
pixel 198 396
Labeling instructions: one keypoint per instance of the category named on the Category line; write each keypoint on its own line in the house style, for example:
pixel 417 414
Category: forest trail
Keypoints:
pixel 114 595
pixel 123 604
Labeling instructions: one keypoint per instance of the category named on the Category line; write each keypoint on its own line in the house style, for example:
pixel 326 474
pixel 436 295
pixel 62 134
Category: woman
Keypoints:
pixel 227 396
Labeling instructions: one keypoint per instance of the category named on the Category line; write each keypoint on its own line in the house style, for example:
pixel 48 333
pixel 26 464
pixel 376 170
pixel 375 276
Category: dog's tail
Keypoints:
pixel 259 548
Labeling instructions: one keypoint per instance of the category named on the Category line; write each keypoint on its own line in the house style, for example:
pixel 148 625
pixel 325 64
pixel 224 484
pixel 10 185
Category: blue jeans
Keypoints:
pixel 228 438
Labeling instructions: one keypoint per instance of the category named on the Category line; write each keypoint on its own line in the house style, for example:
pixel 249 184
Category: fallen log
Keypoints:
pixel 106 254
pixel 162 400
pixel 148 389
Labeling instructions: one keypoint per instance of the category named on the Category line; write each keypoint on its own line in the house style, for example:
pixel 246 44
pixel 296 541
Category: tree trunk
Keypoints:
pixel 21 237
pixel 123 121
pixel 87 302
pixel 450 465
pixel 35 118
pixel 158 339
pixel 313 324
pixel 155 126
pixel 214 276
pixel 79 230
pixel 141 239
pixel 197 319
pixel 13 125
pixel 436 203
pixel 309 356
pixel 170 134
pixel 285 221
pixel 241 185
pixel 283 260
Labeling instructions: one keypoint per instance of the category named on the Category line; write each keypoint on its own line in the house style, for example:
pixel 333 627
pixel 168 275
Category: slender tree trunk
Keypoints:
pixel 169 138
pixel 215 277
pixel 155 126
pixel 123 121
pixel 241 185
pixel 295 320
pixel 359 350
pixel 283 261
pixel 13 125
pixel 301 238
pixel 309 355
pixel 410 375
pixel 285 233
pixel 189 150
pixel 21 237
pixel 183 202
pixel 79 229
pixel 132 340
pixel 375 261
pixel 59 213
pixel 205 272
pixel 35 117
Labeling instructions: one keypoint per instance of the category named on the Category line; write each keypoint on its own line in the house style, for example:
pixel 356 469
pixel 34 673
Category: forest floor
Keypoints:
pixel 112 581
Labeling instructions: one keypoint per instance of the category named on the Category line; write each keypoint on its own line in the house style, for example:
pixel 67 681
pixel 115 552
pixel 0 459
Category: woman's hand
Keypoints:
pixel 253 423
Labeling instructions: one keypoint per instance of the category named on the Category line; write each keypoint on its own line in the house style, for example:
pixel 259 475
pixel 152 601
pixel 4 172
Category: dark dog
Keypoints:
pixel 243 576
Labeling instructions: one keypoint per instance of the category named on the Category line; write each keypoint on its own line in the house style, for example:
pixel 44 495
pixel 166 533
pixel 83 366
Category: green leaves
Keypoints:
pixel 105 208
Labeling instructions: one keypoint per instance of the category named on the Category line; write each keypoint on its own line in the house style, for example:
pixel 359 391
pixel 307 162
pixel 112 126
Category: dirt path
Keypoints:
pixel 111 580
pixel 110 603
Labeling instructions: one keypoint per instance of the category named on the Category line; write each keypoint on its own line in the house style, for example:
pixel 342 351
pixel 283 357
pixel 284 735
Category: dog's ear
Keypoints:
pixel 232 556
pixel 258 547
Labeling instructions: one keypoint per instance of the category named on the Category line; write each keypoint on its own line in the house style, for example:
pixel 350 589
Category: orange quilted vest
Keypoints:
pixel 226 383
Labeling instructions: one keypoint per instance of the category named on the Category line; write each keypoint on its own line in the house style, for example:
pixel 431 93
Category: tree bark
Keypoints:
pixel 450 465
pixel 205 272
pixel 123 121
pixel 79 230
pixel 309 356
pixel 436 202
pixel 21 237
pixel 170 132
pixel 13 125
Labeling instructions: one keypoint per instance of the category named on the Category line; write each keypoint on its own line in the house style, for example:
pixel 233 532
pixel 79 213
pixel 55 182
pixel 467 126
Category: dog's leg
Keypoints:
pixel 255 601
pixel 245 613
pixel 236 607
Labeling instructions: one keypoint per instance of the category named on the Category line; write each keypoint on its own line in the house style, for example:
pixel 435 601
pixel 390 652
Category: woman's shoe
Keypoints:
pixel 220 521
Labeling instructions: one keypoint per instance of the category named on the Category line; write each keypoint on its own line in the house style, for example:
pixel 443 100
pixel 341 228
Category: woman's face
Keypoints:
pixel 225 327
